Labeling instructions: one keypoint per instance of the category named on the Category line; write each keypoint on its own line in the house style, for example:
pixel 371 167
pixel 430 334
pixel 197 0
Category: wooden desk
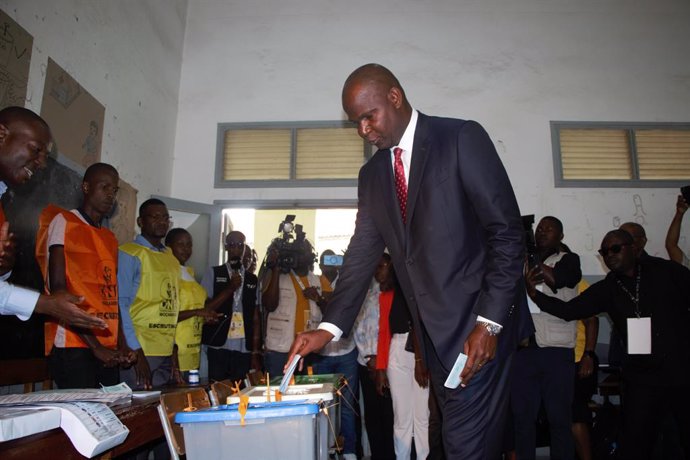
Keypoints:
pixel 140 416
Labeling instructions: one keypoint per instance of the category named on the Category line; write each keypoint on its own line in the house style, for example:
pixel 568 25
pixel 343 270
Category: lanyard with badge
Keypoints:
pixel 236 330
pixel 307 312
pixel 639 328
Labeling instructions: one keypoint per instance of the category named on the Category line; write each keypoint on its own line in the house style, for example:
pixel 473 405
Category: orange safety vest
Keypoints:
pixel 90 271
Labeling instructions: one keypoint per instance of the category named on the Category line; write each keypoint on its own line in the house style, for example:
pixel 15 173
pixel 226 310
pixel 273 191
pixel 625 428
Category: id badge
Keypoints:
pixel 236 330
pixel 308 326
pixel 639 336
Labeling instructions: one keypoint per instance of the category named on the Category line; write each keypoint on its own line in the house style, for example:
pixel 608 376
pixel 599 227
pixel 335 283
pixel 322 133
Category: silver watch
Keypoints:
pixel 492 329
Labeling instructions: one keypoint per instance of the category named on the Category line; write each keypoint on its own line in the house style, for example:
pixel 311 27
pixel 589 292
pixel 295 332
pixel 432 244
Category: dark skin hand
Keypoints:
pixel 480 348
pixel 142 370
pixel 381 382
pixel 8 248
pixel 307 342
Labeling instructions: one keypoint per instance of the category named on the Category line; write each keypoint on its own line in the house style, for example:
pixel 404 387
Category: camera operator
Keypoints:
pixel 292 297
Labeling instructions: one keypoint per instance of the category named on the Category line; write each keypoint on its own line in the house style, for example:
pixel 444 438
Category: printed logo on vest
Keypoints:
pixel 168 298
pixel 108 288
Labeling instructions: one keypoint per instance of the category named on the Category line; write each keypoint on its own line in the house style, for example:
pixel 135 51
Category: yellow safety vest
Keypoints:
pixel 156 304
pixel 188 333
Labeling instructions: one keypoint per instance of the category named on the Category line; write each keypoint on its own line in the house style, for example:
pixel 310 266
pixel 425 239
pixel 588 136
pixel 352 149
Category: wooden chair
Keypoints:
pixel 26 372
pixel 220 391
pixel 172 403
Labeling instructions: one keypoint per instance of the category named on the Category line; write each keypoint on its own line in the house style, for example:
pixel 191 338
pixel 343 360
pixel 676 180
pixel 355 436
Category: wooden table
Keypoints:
pixel 140 416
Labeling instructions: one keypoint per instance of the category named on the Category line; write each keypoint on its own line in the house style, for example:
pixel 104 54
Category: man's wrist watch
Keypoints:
pixel 492 329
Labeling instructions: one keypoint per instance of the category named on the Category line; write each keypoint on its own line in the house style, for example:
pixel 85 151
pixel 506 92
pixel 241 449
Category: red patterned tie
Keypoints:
pixel 400 185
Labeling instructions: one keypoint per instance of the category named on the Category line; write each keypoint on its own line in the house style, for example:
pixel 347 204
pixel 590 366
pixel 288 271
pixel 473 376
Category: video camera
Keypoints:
pixel 530 241
pixel 290 245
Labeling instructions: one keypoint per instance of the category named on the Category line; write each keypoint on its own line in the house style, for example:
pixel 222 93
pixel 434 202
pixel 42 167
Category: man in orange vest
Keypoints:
pixel 24 142
pixel 76 253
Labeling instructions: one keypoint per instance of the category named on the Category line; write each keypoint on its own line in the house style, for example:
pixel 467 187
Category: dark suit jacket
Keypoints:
pixel 461 251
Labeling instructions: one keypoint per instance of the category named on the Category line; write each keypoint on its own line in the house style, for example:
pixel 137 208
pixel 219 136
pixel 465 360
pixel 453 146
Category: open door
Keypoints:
pixel 204 222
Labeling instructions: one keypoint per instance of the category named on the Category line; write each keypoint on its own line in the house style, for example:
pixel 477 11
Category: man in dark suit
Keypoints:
pixel 455 236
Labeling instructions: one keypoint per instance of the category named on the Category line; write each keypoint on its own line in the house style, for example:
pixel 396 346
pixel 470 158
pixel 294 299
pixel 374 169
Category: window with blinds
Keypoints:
pixel 620 155
pixel 310 153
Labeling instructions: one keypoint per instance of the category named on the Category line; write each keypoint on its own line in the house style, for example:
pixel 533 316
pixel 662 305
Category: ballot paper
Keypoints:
pixel 109 395
pixel 288 374
pixel 19 421
pixel 93 428
pixel 453 379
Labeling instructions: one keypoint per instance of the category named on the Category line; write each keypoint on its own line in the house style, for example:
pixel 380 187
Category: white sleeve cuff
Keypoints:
pixel 333 329
pixel 485 320
pixel 22 302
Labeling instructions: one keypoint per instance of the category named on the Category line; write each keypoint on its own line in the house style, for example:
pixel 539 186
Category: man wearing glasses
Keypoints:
pixel 147 280
pixel 647 299
pixel 234 343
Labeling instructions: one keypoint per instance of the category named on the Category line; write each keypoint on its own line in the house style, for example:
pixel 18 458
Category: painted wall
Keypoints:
pixel 128 55
pixel 513 65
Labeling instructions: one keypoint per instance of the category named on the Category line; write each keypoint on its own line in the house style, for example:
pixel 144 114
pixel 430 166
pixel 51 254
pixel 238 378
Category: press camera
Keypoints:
pixel 290 244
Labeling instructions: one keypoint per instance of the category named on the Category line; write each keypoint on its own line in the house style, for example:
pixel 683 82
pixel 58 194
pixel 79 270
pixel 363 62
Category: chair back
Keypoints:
pixel 26 372
pixel 171 404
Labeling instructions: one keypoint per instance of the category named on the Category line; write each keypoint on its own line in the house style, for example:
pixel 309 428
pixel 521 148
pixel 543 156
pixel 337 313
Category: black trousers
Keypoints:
pixel 378 417
pixel 79 368
pixel 226 364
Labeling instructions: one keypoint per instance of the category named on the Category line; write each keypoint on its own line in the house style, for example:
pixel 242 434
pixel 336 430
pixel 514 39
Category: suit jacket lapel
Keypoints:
pixel 420 154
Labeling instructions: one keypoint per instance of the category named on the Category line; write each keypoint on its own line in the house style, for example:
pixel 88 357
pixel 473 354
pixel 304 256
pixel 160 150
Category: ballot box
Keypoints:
pixel 323 393
pixel 271 430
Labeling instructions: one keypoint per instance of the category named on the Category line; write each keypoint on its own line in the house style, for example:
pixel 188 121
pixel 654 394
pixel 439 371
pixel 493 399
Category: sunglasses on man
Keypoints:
pixel 614 248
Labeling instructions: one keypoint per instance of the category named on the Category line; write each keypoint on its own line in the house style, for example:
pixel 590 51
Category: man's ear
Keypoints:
pixel 4 132
pixel 139 221
pixel 85 187
pixel 395 97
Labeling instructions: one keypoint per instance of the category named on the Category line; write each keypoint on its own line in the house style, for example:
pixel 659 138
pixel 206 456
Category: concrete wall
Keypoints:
pixel 513 65
pixel 128 55
pixel 169 70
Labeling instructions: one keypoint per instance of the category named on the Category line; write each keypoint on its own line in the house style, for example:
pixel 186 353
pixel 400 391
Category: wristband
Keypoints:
pixel 589 353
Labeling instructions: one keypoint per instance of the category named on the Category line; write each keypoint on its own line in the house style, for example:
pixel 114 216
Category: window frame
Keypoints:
pixel 636 182
pixel 220 182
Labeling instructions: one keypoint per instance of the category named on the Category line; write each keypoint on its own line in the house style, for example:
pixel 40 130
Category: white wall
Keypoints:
pixel 127 54
pixel 513 65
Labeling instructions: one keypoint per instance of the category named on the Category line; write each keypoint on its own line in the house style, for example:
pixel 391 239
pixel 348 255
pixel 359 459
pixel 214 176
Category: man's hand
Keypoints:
pixel 312 293
pixel 127 356
pixel 209 316
pixel 235 281
pixel 480 348
pixel 305 343
pixel 63 306
pixel 681 205
pixel 381 382
pixel 533 277
pixel 586 366
pixel 109 358
pixel 8 248
pixel 421 374
pixel 143 371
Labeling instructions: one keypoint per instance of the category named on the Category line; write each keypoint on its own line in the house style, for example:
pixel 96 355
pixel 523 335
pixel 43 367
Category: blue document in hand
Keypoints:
pixel 453 379
pixel 288 374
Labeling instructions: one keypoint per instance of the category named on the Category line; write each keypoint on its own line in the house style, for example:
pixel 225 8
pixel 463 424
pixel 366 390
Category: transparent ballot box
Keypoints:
pixel 271 430
pixel 323 393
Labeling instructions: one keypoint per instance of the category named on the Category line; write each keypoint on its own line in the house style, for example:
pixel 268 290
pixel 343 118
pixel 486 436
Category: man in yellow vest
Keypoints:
pixel 24 143
pixel 148 282
pixel 77 254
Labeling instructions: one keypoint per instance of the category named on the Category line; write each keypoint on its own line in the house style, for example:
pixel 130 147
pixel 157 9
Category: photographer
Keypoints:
pixel 292 296
pixel 544 368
